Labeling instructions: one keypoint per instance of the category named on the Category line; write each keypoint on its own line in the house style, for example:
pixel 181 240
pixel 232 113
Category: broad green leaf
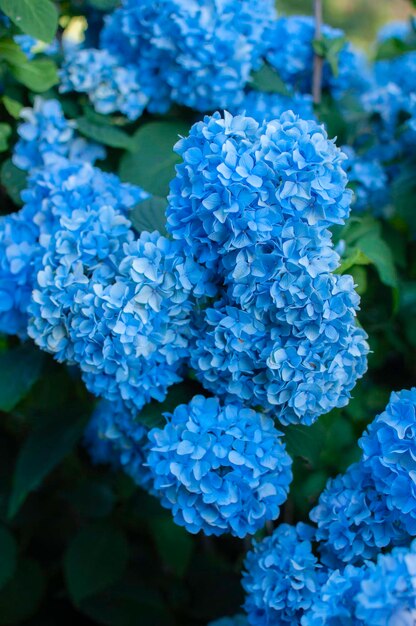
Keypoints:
pixel 8 552
pixel 43 449
pixel 95 559
pixel 151 164
pixel 5 132
pixel 174 544
pixel 149 214
pixel 329 49
pixel 394 47
pixel 37 18
pixel 13 107
pixel 151 415
pixel 20 368
pixel 305 441
pixel 13 180
pixel 404 195
pixel 92 499
pixel 21 596
pixel 11 53
pixel 38 75
pixel 105 134
pixel 357 257
pixel 377 250
pixel 267 79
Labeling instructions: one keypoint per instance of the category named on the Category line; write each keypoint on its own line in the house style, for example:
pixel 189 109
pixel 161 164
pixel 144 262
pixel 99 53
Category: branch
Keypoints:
pixel 318 61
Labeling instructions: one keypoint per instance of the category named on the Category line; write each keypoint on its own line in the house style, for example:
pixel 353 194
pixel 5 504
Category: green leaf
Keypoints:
pixel 43 449
pixel 105 134
pixel 329 49
pixel 5 132
pixel 13 107
pixel 39 75
pixel 174 544
pixel 104 5
pixel 13 180
pixel 37 18
pixel 92 499
pixel 151 415
pixel 379 253
pixel 305 441
pixel 357 257
pixel 20 368
pixel 11 53
pixel 151 164
pixel 267 79
pixel 95 559
pixel 393 47
pixel 149 214
pixel 20 598
pixel 8 552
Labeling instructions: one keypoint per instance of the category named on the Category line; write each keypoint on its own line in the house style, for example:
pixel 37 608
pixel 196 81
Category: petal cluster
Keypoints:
pixel 219 468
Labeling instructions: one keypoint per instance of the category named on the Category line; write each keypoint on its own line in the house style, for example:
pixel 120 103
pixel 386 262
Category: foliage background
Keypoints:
pixel 83 544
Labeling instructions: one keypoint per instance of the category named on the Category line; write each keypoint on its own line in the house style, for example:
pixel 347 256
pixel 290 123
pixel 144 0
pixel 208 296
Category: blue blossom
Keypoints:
pixel 334 603
pixel 110 85
pixel 114 436
pixel 290 52
pixel 236 620
pixel 394 30
pixel 45 135
pixel 268 106
pixel 219 468
pixel 388 590
pixel 281 577
pixel 26 44
pixel 18 248
pixel 197 54
pixel 369 180
pixel 389 451
pixel 353 519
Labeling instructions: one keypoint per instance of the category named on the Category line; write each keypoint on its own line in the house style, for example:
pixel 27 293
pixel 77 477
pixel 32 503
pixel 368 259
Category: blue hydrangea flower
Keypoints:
pixel 389 451
pixel 18 249
pixel 26 44
pixel 254 203
pixel 369 181
pixel 388 590
pixel 196 53
pixel 110 85
pixel 394 30
pixel 281 577
pixel 45 135
pixel 353 519
pixel 269 106
pixel 334 603
pixel 290 52
pixel 115 437
pixel 219 468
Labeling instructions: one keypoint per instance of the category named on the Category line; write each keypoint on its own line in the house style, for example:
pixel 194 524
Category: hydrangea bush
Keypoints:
pixel 207 292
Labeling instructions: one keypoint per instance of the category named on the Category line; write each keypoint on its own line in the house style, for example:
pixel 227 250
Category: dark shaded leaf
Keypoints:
pixel 151 415
pixel 20 368
pixel 174 544
pixel 8 552
pixel 13 180
pixel 305 441
pixel 105 134
pixel 20 598
pixel 149 214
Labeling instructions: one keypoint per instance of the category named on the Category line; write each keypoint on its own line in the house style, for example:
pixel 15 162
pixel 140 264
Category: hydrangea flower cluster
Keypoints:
pixel 113 436
pixel 281 577
pixel 269 106
pixel 290 52
pixel 372 506
pixel 197 54
pixel 369 181
pixel 219 468
pixel 253 203
pixel 45 135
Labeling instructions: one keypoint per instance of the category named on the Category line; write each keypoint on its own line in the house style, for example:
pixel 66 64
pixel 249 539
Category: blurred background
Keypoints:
pixel 360 19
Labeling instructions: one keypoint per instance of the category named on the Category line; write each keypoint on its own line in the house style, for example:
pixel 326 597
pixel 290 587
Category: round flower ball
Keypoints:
pixel 281 577
pixel 199 54
pixel 389 450
pixel 220 469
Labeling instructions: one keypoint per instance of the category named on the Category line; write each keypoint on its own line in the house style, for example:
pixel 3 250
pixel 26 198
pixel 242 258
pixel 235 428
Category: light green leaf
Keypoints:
pixel 105 134
pixel 20 368
pixel 357 257
pixel 43 449
pixel 149 214
pixel 95 559
pixel 8 552
pixel 151 164
pixel 39 75
pixel 37 18
pixel 5 132
pixel 11 53
pixel 13 107
pixel 13 180
pixel 267 79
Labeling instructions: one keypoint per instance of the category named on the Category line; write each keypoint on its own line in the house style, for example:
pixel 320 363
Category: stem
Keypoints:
pixel 318 61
